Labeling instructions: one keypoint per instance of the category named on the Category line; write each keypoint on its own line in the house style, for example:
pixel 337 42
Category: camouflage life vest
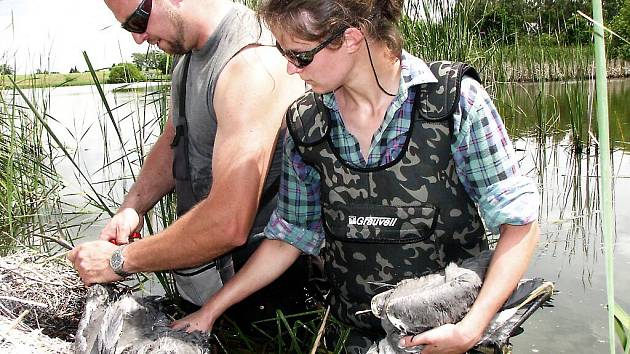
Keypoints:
pixel 407 218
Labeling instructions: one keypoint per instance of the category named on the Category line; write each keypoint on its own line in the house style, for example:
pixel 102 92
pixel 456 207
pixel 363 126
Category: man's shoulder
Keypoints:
pixel 254 66
pixel 257 79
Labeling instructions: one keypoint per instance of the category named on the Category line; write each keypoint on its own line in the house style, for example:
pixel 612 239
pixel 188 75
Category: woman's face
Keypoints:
pixel 326 67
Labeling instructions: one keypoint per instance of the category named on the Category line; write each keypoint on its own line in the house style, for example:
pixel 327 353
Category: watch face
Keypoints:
pixel 116 262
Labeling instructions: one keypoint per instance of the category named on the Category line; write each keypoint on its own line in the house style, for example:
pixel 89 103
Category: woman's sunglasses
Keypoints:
pixel 302 59
pixel 137 22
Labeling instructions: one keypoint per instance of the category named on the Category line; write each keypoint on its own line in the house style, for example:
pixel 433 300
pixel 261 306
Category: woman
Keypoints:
pixel 389 169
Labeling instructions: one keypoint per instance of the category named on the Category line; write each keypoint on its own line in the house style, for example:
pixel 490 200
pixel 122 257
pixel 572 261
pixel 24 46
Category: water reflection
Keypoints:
pixel 545 122
pixel 107 145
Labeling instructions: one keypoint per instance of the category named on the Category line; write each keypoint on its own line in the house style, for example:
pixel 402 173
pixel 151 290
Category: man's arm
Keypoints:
pixel 154 181
pixel 156 178
pixel 251 97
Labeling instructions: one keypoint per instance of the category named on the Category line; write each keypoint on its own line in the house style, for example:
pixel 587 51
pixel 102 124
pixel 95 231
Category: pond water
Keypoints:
pixel 539 119
pixel 78 118
pixel 571 249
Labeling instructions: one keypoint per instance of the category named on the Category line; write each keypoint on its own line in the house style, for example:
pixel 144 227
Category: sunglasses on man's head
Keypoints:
pixel 137 22
pixel 302 59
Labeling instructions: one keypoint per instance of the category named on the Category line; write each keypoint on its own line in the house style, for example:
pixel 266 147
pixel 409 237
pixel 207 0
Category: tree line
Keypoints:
pixel 153 61
pixel 549 22
pixel 502 22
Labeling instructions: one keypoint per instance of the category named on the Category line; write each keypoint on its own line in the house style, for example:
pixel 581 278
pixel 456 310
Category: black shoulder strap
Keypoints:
pixel 308 120
pixel 182 127
pixel 182 86
pixel 438 101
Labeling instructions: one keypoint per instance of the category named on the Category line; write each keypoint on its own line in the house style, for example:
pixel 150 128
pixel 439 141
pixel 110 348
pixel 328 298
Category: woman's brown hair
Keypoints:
pixel 313 20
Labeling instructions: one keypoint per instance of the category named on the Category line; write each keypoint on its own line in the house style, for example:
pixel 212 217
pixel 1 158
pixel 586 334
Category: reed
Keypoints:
pixel 622 327
pixel 579 98
pixel 439 30
pixel 29 183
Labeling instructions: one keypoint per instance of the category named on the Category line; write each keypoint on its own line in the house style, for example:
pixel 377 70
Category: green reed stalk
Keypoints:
pixel 109 111
pixel 575 96
pixel 28 180
pixel 604 157
pixel 60 145
pixel 622 327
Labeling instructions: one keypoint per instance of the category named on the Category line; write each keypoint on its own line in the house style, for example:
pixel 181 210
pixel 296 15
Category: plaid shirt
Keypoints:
pixel 482 151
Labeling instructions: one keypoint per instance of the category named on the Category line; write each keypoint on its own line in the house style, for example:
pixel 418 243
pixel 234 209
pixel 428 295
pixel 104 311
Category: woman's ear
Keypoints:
pixel 352 39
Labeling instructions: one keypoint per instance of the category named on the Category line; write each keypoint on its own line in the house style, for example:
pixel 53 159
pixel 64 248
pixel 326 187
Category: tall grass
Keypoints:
pixel 437 30
pixel 29 184
pixel 579 102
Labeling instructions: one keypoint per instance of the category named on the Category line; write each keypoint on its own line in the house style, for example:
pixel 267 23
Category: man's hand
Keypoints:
pixel 91 260
pixel 446 339
pixel 121 226
pixel 196 321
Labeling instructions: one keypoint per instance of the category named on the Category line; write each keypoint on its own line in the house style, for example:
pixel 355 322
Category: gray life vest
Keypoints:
pixel 407 218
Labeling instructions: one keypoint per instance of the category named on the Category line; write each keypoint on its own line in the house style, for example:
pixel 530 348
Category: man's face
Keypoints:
pixel 165 27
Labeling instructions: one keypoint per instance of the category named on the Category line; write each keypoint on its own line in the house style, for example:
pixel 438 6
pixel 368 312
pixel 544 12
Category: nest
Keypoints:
pixel 43 293
pixel 18 338
pixel 43 302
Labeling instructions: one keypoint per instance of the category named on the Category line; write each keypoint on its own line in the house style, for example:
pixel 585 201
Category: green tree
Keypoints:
pixel 498 20
pixel 152 60
pixel 6 69
pixel 611 9
pixel 557 17
pixel 621 25
pixel 578 30
pixel 127 72
pixel 555 20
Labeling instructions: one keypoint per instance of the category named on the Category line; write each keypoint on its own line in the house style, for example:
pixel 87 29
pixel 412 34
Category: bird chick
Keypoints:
pixel 416 305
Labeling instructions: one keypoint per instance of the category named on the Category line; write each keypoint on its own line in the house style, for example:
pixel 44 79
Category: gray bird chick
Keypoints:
pixel 127 324
pixel 416 305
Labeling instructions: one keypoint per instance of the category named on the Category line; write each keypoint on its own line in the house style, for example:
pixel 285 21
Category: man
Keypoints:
pixel 229 96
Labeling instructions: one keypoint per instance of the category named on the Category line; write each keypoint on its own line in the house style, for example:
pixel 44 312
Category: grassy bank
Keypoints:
pixel 516 63
pixel 50 80
pixel 47 80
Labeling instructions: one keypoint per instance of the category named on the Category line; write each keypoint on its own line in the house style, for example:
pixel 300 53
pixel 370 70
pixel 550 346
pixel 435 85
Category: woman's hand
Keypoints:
pixel 196 321
pixel 446 339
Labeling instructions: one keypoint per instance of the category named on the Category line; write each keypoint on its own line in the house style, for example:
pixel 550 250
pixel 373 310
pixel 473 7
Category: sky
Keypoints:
pixel 52 34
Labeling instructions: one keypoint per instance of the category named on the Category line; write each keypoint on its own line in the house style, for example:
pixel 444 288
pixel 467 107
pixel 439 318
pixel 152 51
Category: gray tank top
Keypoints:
pixel 197 127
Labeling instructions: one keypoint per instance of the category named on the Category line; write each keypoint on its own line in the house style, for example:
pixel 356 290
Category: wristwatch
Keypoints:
pixel 117 261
